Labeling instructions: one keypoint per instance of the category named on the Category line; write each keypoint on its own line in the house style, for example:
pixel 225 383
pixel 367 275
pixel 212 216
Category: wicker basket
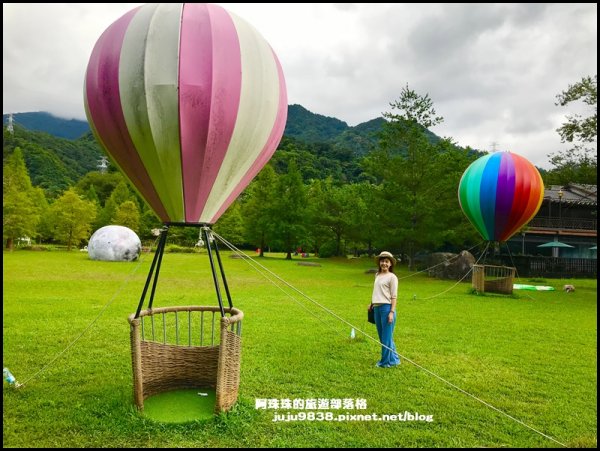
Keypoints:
pixel 493 279
pixel 167 361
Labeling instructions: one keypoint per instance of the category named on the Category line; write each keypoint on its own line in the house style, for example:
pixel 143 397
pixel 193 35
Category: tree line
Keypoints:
pixel 400 196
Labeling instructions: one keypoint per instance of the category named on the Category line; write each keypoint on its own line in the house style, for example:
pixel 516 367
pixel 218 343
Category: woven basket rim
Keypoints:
pixel 236 314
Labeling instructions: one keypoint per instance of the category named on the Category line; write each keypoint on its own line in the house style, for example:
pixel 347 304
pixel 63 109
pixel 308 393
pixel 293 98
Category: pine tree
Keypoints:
pixel 231 224
pixel 418 205
pixel 20 214
pixel 290 209
pixel 258 208
pixel 127 215
pixel 73 218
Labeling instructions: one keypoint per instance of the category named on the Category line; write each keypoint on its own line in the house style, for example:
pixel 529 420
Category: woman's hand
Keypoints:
pixel 390 317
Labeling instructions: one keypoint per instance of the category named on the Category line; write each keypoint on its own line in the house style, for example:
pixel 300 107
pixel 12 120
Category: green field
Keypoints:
pixel 530 357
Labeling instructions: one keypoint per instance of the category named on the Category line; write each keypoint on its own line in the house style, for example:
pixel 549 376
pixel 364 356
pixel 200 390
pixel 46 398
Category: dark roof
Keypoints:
pixel 572 193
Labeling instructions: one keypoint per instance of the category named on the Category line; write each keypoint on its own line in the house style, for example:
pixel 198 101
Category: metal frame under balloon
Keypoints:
pixel 157 261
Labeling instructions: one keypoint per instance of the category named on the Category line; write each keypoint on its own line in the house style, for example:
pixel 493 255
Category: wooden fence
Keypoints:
pixel 552 267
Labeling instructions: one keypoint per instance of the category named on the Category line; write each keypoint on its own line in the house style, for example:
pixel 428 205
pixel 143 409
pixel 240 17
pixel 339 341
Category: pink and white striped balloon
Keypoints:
pixel 190 102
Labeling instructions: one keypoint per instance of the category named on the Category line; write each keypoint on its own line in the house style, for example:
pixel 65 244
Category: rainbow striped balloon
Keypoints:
pixel 190 102
pixel 500 193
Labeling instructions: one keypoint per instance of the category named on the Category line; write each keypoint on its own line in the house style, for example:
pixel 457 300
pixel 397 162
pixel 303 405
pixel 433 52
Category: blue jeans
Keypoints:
pixel 385 330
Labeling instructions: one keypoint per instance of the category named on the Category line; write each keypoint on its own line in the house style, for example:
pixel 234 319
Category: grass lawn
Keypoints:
pixel 532 356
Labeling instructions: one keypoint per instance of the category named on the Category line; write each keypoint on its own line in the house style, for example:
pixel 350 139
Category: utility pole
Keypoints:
pixel 9 127
pixel 102 165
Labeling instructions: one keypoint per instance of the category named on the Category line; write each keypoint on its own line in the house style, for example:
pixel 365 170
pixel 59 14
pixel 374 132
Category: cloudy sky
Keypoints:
pixel 492 70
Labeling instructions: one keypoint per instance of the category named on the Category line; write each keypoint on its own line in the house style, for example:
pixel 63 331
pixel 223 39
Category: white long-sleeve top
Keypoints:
pixel 385 288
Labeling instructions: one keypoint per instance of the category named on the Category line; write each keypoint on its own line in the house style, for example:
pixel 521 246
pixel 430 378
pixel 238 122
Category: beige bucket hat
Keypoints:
pixel 385 254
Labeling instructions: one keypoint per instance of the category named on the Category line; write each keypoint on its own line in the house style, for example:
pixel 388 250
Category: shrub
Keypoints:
pixel 327 249
pixel 173 248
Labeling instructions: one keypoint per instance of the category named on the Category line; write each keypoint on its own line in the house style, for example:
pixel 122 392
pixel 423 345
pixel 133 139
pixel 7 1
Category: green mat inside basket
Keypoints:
pixel 180 406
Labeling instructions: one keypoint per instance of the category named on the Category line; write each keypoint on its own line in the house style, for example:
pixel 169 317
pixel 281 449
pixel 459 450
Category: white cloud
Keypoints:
pixel 492 70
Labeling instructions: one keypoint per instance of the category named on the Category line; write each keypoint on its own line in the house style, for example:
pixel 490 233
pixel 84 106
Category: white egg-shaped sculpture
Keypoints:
pixel 114 243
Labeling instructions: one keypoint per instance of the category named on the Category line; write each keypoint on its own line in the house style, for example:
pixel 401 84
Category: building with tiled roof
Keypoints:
pixel 568 214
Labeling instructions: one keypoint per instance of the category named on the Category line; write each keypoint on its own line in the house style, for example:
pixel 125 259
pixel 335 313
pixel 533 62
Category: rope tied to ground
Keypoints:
pixel 255 264
pixel 86 329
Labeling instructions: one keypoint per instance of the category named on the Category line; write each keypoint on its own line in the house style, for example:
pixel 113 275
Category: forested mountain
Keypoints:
pixel 310 127
pixel 46 122
pixel 301 125
pixel 360 139
pixel 54 164
pixel 57 155
pixel 325 189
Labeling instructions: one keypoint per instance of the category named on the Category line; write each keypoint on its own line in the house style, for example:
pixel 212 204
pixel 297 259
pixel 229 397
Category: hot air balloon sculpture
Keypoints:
pixel 190 102
pixel 499 193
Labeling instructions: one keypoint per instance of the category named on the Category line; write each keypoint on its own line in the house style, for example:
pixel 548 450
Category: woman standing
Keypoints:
pixel 385 292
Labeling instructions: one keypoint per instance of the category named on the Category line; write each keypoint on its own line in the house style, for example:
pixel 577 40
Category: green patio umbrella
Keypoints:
pixel 555 244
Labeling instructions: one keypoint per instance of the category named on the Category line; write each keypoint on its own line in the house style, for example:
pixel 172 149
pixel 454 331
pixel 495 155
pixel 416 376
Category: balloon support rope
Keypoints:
pixel 463 277
pixel 255 264
pixel 517 271
pixel 445 261
pixel 88 327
